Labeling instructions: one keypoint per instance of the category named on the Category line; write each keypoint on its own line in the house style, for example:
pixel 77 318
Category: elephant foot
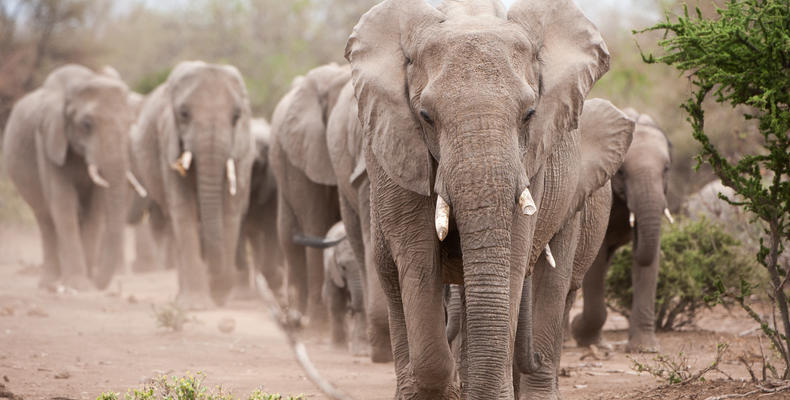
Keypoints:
pixel 220 290
pixel 410 391
pixel 143 267
pixel 78 283
pixel 584 335
pixel 49 282
pixel 544 391
pixel 193 301
pixel 643 343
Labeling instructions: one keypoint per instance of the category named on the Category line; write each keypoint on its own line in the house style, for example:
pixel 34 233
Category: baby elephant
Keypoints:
pixel 342 289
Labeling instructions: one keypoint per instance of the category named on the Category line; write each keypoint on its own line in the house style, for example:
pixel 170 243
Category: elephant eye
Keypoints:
pixel 528 115
pixel 426 117
pixel 87 125
pixel 183 113
pixel 236 116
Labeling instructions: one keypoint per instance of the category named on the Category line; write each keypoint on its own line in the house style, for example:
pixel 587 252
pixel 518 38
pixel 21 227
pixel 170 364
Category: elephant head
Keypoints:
pixel 472 105
pixel 262 184
pixel 641 182
pixel 301 119
pixel 207 123
pixel 86 115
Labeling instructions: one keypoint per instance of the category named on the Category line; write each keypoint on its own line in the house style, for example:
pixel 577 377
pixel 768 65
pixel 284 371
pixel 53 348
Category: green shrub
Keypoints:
pixel 149 82
pixel 188 387
pixel 695 254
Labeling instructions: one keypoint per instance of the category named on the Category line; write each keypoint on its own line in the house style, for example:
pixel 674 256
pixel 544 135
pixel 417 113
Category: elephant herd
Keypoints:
pixel 451 187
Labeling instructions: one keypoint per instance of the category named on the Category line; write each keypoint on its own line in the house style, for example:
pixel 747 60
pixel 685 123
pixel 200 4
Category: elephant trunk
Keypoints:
pixel 647 202
pixel 112 164
pixel 210 162
pixel 527 360
pixel 482 191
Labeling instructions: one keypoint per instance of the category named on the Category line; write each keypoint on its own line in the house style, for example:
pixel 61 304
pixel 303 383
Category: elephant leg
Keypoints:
pixel 642 329
pixel 550 287
pixel 91 229
pixel 375 301
pixel 145 249
pixel 586 327
pixel 295 256
pixel 71 253
pixel 193 289
pixel 267 255
pixel 50 271
pixel 336 301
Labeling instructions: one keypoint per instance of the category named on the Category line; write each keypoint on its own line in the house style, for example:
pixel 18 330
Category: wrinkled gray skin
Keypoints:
pixel 259 226
pixel 307 193
pixel 202 108
pixel 463 129
pixel 346 149
pixel 76 118
pixel 548 294
pixel 639 187
pixel 342 293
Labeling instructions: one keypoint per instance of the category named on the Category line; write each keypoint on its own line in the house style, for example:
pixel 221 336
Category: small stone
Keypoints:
pixel 579 386
pixel 131 299
pixel 63 375
pixel 226 325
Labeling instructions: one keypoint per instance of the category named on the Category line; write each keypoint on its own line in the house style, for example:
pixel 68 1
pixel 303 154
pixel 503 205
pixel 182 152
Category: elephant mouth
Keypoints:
pixel 450 256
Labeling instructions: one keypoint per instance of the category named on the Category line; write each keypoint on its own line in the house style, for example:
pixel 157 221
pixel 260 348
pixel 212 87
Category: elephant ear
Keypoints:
pixel 606 134
pixel 573 57
pixel 375 50
pixel 303 135
pixel 52 126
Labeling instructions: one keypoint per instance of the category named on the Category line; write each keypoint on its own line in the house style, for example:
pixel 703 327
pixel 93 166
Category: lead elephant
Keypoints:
pixel 639 191
pixel 346 150
pixel 65 149
pixel 259 226
pixel 307 193
pixel 194 151
pixel 467 113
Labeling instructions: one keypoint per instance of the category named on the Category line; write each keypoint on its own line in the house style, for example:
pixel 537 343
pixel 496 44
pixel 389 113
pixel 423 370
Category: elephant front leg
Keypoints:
pixel 642 329
pixel 193 290
pixel 587 326
pixel 71 253
pixel 550 287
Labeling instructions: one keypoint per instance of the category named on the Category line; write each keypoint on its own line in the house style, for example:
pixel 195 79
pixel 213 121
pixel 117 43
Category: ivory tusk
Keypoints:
pixel 182 163
pixel 550 257
pixel 136 184
pixel 526 203
pixel 230 168
pixel 442 218
pixel 631 219
pixel 96 177
pixel 669 216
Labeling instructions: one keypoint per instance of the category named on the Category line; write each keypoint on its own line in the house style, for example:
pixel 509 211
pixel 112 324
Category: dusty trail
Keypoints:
pixel 77 346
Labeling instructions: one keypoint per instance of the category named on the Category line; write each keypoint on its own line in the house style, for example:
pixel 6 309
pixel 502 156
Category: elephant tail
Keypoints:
pixel 316 242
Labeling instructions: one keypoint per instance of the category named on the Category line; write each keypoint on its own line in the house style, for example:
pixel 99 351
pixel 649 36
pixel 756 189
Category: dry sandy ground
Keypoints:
pixel 77 346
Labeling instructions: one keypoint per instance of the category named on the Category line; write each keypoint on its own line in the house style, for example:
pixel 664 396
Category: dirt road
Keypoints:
pixel 77 346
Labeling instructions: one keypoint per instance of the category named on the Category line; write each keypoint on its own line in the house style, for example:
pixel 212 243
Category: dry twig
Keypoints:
pixel 297 346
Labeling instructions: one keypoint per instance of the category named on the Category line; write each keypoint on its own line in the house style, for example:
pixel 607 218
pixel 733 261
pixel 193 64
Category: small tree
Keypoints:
pixel 743 58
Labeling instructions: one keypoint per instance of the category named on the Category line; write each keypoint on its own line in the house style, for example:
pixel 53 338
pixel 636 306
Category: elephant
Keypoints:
pixel 545 300
pixel 307 200
pixel 65 149
pixel 342 289
pixel 259 225
pixel 346 151
pixel 639 191
pixel 200 115
pixel 476 162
